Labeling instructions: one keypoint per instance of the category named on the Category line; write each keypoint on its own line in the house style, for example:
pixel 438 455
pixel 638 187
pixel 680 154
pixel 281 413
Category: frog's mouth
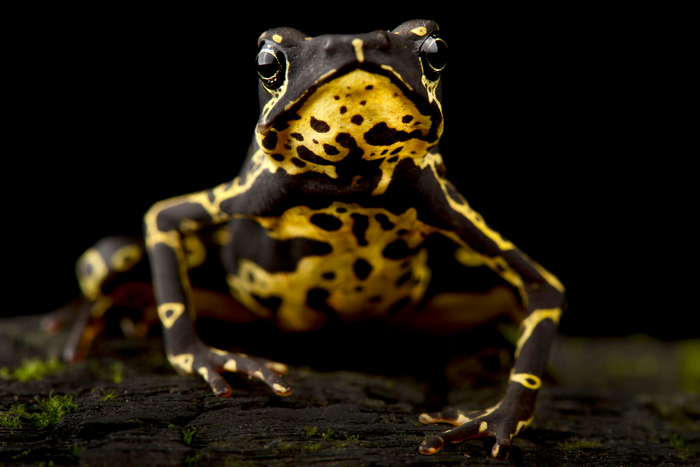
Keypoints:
pixel 357 113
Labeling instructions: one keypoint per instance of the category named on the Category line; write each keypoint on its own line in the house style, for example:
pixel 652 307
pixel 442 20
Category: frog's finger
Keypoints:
pixel 239 363
pixel 217 383
pixel 453 418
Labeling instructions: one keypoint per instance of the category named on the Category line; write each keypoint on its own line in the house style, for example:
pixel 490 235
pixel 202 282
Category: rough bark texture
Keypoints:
pixel 607 403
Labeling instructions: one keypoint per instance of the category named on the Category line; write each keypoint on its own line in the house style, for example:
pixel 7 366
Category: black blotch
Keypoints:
pixel 407 118
pixel 88 269
pixel 397 249
pixel 341 210
pixel 298 162
pixel 441 171
pixel 320 248
pixel 329 275
pixel 375 299
pixel 396 151
pixel 319 126
pixel 384 222
pixel 402 232
pixel 309 156
pixel 362 269
pixel 346 140
pixel 357 119
pixel 398 306
pixel 169 313
pixel 393 159
pixel 363 102
pixel 336 98
pixel 330 150
pixel 453 193
pixel 359 288
pixel 269 142
pixel 402 280
pixel 381 135
pixel 287 147
pixel 251 277
pixel 317 299
pixel 343 109
pixel 326 222
pixel 297 136
pixel 271 303
pixel 278 157
pixel 368 87
pixel 384 152
pixel 359 227
pixel 315 141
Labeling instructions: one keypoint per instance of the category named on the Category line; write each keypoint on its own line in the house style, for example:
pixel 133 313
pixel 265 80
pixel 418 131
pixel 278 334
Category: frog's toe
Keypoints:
pixel 453 418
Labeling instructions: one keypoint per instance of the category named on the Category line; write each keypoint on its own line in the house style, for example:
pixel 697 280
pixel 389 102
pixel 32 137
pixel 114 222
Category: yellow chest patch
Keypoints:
pixel 371 271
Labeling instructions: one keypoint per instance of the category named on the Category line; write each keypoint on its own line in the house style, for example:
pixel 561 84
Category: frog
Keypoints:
pixel 341 212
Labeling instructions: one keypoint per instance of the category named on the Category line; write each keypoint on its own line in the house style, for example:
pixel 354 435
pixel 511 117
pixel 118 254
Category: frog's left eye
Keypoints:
pixel 271 65
pixel 433 56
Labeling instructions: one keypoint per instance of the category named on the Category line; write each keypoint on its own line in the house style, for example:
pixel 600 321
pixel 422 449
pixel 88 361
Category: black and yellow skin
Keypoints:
pixel 342 212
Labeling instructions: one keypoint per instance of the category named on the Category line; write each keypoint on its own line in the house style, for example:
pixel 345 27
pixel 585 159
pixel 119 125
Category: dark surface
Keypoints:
pixel 606 403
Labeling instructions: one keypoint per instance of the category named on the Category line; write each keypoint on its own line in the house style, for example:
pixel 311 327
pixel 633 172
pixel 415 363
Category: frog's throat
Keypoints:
pixel 357 114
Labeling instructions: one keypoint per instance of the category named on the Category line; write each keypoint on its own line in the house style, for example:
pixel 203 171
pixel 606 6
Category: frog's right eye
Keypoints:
pixel 271 65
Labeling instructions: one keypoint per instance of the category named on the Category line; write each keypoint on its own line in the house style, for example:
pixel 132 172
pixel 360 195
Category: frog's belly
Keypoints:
pixel 301 271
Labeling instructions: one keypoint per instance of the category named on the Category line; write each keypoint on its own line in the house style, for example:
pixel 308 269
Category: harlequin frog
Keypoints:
pixel 342 212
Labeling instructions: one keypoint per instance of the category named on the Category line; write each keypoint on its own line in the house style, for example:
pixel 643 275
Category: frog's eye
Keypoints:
pixel 271 65
pixel 433 56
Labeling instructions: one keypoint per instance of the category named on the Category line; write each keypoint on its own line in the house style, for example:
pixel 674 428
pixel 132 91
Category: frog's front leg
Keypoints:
pixel 542 296
pixel 165 223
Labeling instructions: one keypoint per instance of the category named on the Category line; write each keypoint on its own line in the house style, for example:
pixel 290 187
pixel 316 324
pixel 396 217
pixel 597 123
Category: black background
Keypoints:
pixel 561 128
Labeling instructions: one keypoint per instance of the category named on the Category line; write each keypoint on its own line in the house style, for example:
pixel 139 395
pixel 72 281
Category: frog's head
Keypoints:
pixel 334 100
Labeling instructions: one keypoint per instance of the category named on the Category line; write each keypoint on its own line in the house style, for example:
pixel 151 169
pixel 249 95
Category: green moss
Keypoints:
pixel 188 436
pixel 312 447
pixel 9 421
pixel 328 436
pixel 33 368
pixel 50 411
pixel 311 431
pixel 690 366
pixel 107 395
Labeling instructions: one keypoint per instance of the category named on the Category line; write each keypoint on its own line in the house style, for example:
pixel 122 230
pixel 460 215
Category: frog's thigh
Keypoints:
pixel 450 311
pixel 222 307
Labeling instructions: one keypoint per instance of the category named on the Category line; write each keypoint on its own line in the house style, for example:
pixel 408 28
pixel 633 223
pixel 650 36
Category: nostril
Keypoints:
pixel 382 41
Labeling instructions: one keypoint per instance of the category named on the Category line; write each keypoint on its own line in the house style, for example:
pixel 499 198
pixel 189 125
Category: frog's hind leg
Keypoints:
pixel 111 273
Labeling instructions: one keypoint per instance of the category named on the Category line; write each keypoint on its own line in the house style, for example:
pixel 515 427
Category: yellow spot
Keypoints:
pixel 528 325
pixel 182 362
pixel 195 252
pixel 222 236
pixel 218 352
pixel 231 366
pixel 419 31
pixel 204 372
pixel 527 380
pixel 522 424
pixel 126 257
pixel 359 53
pixel 90 283
pixel 169 313
pixel 258 374
pixel 495 450
pixel 277 38
pixel 281 390
pixel 483 427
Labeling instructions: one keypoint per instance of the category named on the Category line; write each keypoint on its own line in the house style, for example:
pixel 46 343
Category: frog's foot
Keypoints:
pixel 210 363
pixel 495 422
